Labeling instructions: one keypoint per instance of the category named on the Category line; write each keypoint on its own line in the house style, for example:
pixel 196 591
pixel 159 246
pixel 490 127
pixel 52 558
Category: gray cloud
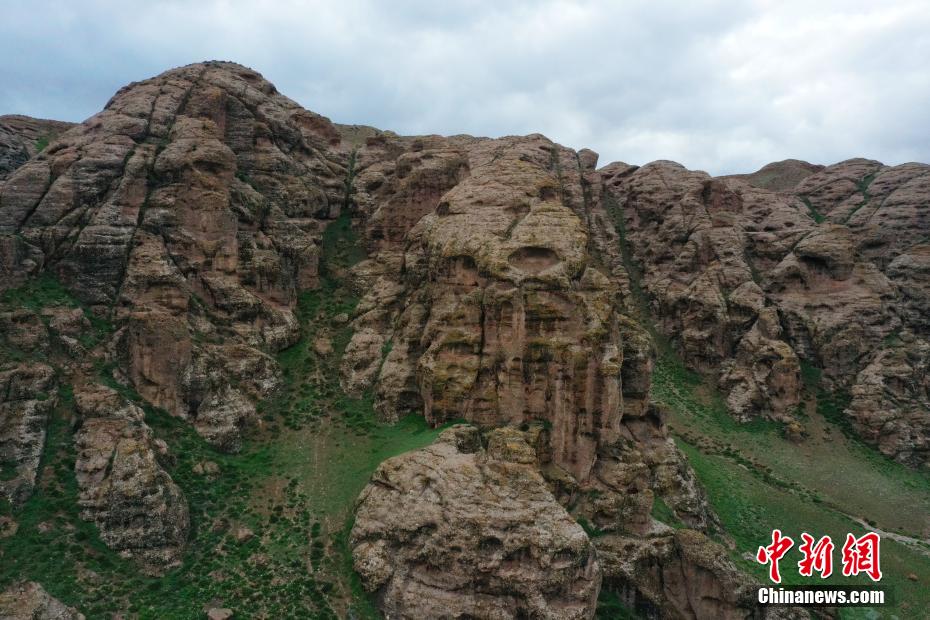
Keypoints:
pixel 725 86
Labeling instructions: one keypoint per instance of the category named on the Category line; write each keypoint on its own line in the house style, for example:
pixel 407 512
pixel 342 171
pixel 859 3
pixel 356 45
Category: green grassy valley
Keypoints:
pixel 758 480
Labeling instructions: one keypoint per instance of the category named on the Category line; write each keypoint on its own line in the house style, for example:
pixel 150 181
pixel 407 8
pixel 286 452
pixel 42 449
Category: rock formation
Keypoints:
pixel 187 213
pixel 750 275
pixel 29 601
pixel 509 283
pixel 21 137
pixel 508 303
pixel 27 395
pixel 139 510
pixel 431 539
pixel 501 315
pixel 679 574
pixel 700 244
pixel 457 530
pixel 189 210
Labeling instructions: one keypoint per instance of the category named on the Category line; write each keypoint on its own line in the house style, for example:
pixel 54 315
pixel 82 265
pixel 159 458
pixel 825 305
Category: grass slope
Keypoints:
pixel 757 480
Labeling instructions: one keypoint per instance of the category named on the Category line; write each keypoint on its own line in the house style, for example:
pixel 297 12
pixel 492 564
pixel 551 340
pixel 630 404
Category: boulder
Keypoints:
pixel 455 530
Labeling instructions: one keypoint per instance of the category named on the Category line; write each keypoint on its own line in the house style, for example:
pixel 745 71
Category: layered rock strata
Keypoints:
pixel 22 137
pixel 189 210
pixel 749 276
pixel 187 215
pixel 507 303
pixel 505 285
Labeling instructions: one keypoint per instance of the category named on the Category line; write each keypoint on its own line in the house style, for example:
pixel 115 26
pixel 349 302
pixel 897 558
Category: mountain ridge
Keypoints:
pixel 507 283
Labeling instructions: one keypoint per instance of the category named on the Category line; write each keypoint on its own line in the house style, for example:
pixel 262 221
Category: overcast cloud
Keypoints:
pixel 723 86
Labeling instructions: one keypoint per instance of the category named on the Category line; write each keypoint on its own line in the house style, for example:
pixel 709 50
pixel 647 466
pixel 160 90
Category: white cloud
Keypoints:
pixel 721 86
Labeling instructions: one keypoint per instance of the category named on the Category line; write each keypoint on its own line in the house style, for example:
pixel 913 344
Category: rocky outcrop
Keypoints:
pixel 456 530
pixel 188 213
pixel 762 375
pixel 857 313
pixel 398 181
pixel 680 574
pixel 643 465
pixel 29 601
pixel 507 303
pixel 189 209
pixel 749 275
pixel 504 285
pixel 431 539
pixel 890 398
pixel 835 309
pixel 122 486
pixel 138 509
pixel 780 176
pixel 700 244
pixel 494 312
pixel 22 137
pixel 27 396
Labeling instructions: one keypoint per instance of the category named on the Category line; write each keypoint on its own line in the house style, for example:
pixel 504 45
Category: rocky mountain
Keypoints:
pixel 149 214
pixel 750 284
pixel 180 261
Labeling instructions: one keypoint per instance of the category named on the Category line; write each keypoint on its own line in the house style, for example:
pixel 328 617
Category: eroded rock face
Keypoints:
pixel 470 525
pixel 751 274
pixel 27 396
pixel 891 397
pixel 28 393
pixel 188 213
pixel 139 510
pixel 630 474
pixel 29 601
pixel 680 574
pixel 856 312
pixel 507 303
pixel 400 181
pixel 21 137
pixel 191 206
pixel 494 312
pixel 700 244
pixel 500 285
pixel 456 530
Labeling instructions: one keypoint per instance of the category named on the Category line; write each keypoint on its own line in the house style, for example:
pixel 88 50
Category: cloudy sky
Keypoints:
pixel 724 86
